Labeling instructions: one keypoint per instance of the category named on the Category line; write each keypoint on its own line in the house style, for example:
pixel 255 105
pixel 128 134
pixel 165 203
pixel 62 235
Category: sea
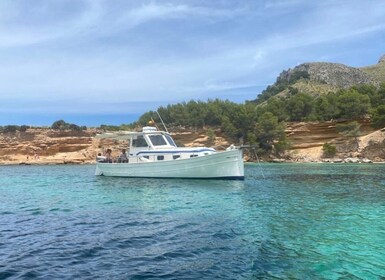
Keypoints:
pixel 284 221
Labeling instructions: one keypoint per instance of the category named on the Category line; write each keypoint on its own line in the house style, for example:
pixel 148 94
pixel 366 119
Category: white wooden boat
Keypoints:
pixel 154 154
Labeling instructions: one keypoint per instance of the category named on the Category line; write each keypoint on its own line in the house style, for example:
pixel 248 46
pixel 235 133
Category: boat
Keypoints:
pixel 152 153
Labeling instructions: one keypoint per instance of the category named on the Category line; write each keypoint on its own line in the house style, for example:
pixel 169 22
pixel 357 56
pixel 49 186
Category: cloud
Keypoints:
pixel 110 54
pixel 152 11
pixel 24 23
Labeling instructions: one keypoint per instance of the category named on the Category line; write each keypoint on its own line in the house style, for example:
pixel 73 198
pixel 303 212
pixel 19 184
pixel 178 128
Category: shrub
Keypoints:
pixel 378 120
pixel 211 136
pixel 10 128
pixel 23 128
pixel 329 150
pixel 62 125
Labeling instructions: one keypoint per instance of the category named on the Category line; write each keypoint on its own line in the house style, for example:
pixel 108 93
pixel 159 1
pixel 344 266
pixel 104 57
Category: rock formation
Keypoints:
pixel 40 145
pixel 308 138
pixel 47 146
pixel 333 74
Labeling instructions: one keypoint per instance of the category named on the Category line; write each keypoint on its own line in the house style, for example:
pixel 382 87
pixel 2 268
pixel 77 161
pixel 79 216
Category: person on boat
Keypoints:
pixel 108 156
pixel 123 157
pixel 100 158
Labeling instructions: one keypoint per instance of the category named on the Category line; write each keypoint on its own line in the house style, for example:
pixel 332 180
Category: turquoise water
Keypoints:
pixel 285 221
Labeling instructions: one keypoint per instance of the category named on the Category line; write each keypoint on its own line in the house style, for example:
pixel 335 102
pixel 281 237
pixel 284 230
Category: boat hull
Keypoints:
pixel 220 165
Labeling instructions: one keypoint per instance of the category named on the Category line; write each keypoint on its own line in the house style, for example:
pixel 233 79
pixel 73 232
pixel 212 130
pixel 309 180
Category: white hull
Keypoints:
pixel 219 165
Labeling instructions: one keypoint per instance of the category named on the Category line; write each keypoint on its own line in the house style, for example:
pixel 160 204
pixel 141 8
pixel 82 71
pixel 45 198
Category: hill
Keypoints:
pixel 377 71
pixel 333 74
pixel 323 77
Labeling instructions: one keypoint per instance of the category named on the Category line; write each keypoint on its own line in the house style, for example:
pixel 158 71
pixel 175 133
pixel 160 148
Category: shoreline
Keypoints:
pixel 276 161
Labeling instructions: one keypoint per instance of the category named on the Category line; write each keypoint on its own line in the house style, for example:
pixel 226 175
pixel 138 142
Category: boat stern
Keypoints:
pixel 98 172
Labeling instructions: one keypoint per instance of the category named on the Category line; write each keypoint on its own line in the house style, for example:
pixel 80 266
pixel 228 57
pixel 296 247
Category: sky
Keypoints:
pixel 93 62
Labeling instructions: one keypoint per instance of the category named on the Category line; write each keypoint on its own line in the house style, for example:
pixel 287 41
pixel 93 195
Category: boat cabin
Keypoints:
pixel 152 145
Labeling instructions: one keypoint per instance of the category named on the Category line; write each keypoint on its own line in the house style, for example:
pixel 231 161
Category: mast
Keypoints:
pixel 162 121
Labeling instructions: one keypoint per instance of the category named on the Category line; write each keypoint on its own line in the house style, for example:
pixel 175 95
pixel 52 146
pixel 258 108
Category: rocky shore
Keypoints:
pixel 47 146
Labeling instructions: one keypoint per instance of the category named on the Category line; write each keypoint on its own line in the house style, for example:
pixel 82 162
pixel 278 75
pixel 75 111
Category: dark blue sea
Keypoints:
pixel 284 221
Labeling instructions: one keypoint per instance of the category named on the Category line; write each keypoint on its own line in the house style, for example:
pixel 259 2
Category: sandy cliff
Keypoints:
pixel 307 140
pixel 40 145
pixel 47 146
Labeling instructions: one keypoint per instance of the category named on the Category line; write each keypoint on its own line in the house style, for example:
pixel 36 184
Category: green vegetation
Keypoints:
pixel 351 129
pixel 329 150
pixel 62 125
pixel 261 123
pixel 211 136
pixel 377 71
pixel 13 128
pixel 345 104
pixel 270 132
pixel 281 84
pixel 378 120
pixel 239 122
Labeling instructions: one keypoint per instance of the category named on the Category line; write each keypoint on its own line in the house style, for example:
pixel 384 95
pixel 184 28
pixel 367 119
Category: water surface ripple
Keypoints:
pixel 286 221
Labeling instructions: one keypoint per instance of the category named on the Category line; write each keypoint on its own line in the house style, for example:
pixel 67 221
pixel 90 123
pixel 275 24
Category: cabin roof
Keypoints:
pixel 125 135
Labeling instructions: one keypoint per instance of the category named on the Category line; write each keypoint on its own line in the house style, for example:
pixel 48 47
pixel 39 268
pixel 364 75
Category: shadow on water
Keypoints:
pixel 121 182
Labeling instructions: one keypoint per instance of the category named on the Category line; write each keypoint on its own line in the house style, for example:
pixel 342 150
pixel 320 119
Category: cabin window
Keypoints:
pixel 175 156
pixel 170 140
pixel 157 140
pixel 160 157
pixel 147 157
pixel 193 155
pixel 139 142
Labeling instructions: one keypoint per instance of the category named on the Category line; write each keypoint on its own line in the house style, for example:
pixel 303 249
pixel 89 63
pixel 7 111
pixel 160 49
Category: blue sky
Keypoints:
pixel 93 62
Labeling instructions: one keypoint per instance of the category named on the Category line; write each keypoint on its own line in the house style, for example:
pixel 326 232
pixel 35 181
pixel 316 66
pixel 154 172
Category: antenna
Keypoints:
pixel 162 121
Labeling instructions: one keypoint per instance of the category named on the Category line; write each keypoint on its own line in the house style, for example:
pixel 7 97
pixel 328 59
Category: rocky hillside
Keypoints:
pixel 377 71
pixel 333 74
pixel 323 77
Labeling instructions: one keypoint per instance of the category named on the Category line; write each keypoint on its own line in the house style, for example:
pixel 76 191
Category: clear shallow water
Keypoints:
pixel 293 221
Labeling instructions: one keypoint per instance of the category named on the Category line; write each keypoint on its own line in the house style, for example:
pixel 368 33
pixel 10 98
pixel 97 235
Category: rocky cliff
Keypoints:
pixel 308 138
pixel 46 146
pixel 333 74
pixel 324 77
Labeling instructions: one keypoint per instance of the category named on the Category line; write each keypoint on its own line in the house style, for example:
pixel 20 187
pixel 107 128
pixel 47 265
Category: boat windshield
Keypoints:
pixel 157 140
pixel 170 140
pixel 139 142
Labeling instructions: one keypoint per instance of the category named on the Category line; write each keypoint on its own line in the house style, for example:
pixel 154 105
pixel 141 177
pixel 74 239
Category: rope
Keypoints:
pixel 259 164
